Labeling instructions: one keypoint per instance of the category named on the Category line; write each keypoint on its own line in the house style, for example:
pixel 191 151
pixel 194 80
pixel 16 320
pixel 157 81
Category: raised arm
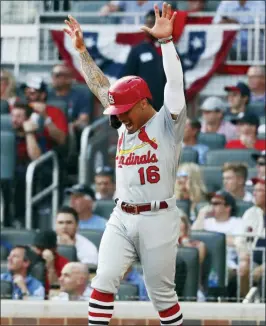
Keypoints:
pixel 174 88
pixel 97 82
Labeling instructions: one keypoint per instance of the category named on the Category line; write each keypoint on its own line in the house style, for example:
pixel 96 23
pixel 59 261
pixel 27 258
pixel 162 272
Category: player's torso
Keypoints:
pixel 145 164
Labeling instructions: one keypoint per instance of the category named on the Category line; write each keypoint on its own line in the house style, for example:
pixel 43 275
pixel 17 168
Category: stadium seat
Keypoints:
pixel 184 205
pixel 4 107
pixel 212 140
pixel 241 207
pixel 191 258
pixel 68 252
pixel 252 173
pixel 38 271
pixel 3 253
pixel 261 136
pixel 127 292
pixel 216 256
pixel 93 235
pixel 18 237
pixel 212 176
pixel 5 122
pixel 7 155
pixel 104 208
pixel 212 5
pixel 221 156
pixel 188 155
pixel 257 108
pixel 6 290
pixel 180 276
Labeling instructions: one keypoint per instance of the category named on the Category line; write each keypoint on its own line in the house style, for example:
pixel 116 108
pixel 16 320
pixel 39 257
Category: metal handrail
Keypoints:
pixel 84 147
pixel 53 188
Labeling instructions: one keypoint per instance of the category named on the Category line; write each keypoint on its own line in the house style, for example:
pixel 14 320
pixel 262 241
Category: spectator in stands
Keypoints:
pixel 260 164
pixel 185 240
pixel 192 130
pixel 213 109
pixel 6 245
pixel 134 6
pixel 132 276
pixel 25 286
pixel 79 101
pixel 190 186
pixel 238 98
pixel 240 12
pixel 82 199
pixel 53 118
pixel 257 84
pixel 66 230
pixel 247 128
pixel 8 87
pixel 104 183
pixel 145 61
pixel 234 180
pixel 45 245
pixel 74 283
pixel 196 5
pixel 30 144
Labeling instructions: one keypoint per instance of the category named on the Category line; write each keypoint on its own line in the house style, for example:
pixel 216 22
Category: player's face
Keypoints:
pixel 134 118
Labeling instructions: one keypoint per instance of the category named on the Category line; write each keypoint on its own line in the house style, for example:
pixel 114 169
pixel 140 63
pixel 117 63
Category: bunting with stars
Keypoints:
pixel 202 48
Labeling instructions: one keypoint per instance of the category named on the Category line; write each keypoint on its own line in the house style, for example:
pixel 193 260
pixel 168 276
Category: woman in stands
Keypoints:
pixel 190 186
pixel 8 87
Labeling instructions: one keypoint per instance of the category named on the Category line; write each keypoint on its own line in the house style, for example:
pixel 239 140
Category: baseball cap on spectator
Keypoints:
pixel 36 83
pixel 227 197
pixel 106 170
pixel 240 87
pixel 213 104
pixel 248 118
pixel 262 154
pixel 45 240
pixel 82 190
pixel 258 180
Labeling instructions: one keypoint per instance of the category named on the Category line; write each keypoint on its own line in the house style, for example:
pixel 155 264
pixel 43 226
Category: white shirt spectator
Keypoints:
pixel 233 226
pixel 248 196
pixel 63 296
pixel 231 8
pixel 87 252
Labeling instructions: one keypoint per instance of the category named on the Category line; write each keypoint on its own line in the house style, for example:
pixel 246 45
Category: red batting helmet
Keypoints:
pixel 125 93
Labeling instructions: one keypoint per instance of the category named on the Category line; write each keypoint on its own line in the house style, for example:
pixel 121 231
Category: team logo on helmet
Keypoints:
pixel 111 99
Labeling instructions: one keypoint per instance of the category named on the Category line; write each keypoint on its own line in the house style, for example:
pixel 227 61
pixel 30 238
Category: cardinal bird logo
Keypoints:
pixel 120 142
pixel 143 136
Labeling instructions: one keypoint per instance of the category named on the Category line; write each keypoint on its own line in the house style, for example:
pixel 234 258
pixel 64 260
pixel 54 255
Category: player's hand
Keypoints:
pixel 75 32
pixel 163 26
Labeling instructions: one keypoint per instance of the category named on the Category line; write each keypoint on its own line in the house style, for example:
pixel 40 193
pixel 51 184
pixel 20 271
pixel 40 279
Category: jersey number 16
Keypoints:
pixel 151 175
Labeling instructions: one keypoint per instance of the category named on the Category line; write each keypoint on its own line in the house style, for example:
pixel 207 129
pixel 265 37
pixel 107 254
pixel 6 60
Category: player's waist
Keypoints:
pixel 153 206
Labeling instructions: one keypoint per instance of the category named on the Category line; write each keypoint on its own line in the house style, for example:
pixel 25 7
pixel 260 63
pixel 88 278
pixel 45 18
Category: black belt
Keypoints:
pixel 136 209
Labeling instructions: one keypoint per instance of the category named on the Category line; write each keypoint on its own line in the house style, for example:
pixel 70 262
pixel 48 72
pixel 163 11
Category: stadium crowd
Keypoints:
pixel 58 262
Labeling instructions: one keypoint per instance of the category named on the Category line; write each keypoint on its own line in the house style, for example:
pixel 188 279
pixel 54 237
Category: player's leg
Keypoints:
pixel 116 254
pixel 158 256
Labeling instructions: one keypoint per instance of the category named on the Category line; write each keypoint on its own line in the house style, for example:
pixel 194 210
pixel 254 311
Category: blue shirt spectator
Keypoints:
pixel 6 245
pixel 135 278
pixel 79 101
pixel 192 129
pixel 95 222
pixel 35 287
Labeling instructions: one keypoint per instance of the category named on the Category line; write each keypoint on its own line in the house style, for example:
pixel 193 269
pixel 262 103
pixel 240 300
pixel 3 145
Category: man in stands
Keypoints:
pixel 213 109
pixel 25 287
pixel 104 183
pixel 196 5
pixel 234 180
pixel 66 229
pixel 79 102
pixel 238 98
pixel 192 130
pixel 145 61
pixel 132 276
pixel 260 164
pixel 52 118
pixel 30 145
pixel 45 245
pixel 247 128
pixel 257 84
pixel 74 283
pixel 82 199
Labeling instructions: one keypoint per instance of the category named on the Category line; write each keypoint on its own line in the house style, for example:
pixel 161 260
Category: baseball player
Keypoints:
pixel 145 223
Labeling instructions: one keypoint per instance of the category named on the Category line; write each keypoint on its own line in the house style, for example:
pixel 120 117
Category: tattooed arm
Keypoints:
pixel 95 78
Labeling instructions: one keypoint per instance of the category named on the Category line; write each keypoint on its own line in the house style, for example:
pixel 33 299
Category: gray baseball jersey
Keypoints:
pixel 146 161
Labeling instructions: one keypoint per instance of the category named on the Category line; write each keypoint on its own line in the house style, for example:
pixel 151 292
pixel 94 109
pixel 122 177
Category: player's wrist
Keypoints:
pixel 165 40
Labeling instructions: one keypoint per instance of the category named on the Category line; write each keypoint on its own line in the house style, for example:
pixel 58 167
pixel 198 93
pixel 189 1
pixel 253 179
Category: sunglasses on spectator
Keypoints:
pixel 261 163
pixel 217 203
